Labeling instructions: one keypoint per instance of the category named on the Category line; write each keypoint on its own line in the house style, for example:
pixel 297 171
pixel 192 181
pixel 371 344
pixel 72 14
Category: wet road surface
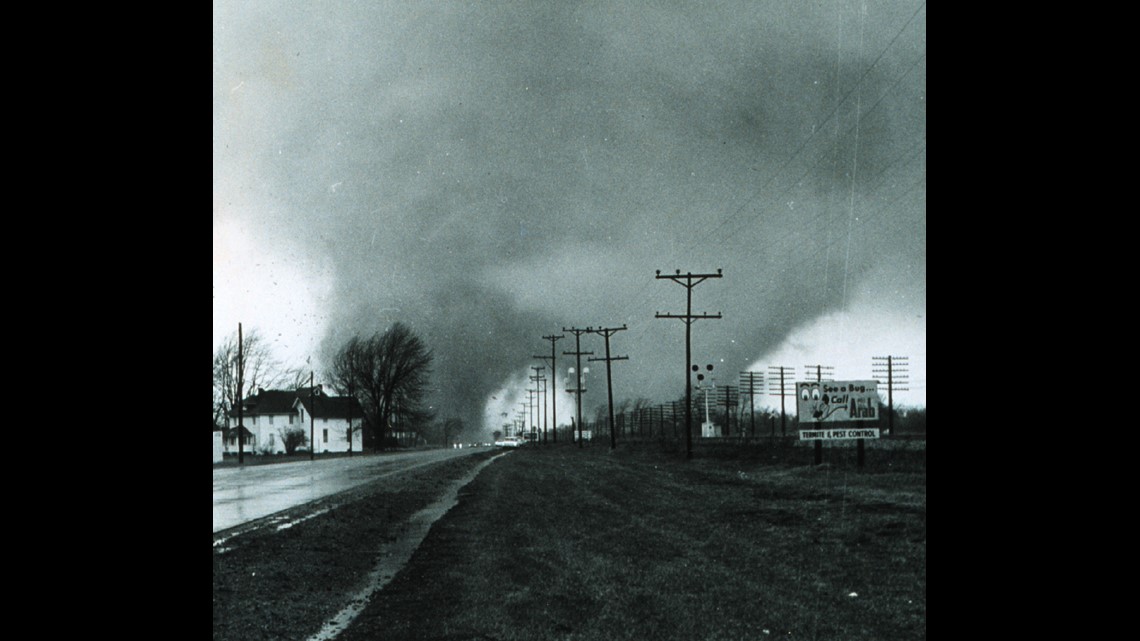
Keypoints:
pixel 243 494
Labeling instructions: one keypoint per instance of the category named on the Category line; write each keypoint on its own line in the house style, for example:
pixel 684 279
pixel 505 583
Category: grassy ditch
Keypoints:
pixel 284 584
pixel 557 542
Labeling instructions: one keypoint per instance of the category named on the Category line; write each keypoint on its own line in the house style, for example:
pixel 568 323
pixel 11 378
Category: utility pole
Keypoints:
pixel 553 383
pixel 578 353
pixel 546 393
pixel 532 414
pixel 542 379
pixel 896 375
pixel 752 395
pixel 819 379
pixel 545 388
pixel 686 280
pixel 731 398
pixel 790 373
pixel 240 401
pixel 312 408
pixel 607 332
pixel 538 394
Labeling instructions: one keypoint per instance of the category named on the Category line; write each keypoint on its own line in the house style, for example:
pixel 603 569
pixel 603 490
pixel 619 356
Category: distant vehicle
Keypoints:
pixel 509 441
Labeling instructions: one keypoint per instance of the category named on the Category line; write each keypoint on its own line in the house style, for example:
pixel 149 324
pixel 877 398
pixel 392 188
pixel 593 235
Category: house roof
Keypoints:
pixel 282 402
pixel 332 406
pixel 268 401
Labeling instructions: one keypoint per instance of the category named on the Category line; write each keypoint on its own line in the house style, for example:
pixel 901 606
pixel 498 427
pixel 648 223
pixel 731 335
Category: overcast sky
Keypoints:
pixel 492 172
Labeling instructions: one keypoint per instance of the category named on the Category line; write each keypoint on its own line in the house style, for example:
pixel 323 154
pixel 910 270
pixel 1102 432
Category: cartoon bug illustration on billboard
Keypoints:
pixel 831 401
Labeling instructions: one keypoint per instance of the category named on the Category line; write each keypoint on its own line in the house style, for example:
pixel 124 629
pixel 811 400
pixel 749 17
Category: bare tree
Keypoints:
pixel 259 369
pixel 640 411
pixel 619 416
pixel 295 378
pixel 389 374
pixel 602 416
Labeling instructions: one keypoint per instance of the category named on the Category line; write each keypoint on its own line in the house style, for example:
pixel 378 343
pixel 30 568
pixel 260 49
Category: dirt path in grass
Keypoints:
pixel 394 555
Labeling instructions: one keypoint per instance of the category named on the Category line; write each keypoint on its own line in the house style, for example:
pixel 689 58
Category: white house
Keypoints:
pixel 328 418
pixel 271 414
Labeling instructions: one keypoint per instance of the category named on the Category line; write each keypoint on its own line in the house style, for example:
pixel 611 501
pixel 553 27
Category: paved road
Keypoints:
pixel 242 494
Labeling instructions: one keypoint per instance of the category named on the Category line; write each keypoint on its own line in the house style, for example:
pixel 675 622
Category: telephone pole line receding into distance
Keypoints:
pixel 578 353
pixel 553 384
pixel 686 280
pixel 607 332
pixel 538 379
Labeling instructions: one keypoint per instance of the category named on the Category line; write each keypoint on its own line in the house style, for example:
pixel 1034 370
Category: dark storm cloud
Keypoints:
pixel 493 172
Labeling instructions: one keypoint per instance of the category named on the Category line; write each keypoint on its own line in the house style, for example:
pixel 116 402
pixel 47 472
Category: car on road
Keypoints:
pixel 508 441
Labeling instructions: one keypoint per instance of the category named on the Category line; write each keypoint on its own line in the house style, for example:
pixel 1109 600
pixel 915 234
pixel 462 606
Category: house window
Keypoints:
pixel 255 420
pixel 291 417
pixel 325 434
pixel 325 420
pixel 271 440
pixel 271 419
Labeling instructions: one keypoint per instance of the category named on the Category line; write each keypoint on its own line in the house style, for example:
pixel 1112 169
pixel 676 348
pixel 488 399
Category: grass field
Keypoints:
pixel 558 542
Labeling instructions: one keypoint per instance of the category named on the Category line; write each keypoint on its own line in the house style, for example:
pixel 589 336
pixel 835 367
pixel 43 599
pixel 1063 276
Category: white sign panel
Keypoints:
pixel 838 435
pixel 830 401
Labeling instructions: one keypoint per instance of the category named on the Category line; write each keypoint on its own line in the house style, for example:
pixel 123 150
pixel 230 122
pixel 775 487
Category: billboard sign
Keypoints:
pixel 833 401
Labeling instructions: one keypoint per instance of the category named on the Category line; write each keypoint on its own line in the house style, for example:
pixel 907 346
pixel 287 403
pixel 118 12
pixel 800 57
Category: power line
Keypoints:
pixel 738 238
pixel 818 127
